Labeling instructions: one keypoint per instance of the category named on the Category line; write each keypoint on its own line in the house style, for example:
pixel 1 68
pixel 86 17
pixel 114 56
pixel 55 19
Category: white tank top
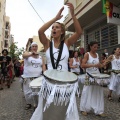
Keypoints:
pixel 32 67
pixel 63 63
pixel 74 64
pixel 115 63
pixel 92 60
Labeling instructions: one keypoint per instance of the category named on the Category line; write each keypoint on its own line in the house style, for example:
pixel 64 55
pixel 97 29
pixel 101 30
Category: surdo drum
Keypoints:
pixel 94 79
pixel 58 89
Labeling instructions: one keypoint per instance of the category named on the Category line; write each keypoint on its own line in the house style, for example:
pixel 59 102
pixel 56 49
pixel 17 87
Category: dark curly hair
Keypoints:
pixel 5 50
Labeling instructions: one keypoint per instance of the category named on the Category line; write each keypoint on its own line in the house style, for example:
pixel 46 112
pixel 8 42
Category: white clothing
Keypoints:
pixel 75 63
pixel 28 92
pixel 92 99
pixel 32 67
pixel 92 60
pixel 115 79
pixel 115 63
pixel 92 96
pixel 63 61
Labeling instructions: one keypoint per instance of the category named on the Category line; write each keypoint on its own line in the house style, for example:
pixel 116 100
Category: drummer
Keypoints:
pixel 58 39
pixel 114 80
pixel 75 63
pixel 92 96
pixel 33 67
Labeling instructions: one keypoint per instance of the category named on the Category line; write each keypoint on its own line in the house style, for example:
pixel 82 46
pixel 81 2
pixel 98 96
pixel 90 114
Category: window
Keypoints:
pixel 113 36
pixel 97 37
pixel 106 36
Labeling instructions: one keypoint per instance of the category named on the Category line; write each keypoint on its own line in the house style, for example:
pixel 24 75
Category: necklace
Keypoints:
pixel 57 44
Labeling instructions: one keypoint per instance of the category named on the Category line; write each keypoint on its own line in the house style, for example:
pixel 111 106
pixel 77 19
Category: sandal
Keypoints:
pixel 102 115
pixel 1 88
pixel 110 98
pixel 28 106
pixel 84 113
pixel 119 99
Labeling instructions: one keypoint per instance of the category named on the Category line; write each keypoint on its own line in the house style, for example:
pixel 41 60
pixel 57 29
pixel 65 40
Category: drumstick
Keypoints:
pixel 108 60
pixel 90 75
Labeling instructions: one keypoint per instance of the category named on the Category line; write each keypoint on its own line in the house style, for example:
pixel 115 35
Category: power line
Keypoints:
pixel 36 11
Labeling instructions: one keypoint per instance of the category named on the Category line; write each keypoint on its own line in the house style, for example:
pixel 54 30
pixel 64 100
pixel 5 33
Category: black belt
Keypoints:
pixel 31 78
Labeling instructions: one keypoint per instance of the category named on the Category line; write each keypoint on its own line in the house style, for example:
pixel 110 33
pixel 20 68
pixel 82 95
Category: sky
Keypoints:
pixel 24 20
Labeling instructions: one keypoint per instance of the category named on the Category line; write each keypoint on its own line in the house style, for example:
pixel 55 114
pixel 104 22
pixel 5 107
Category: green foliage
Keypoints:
pixel 14 51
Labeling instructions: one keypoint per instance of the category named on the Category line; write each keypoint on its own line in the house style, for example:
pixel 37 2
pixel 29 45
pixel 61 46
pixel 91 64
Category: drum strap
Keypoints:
pixel 59 55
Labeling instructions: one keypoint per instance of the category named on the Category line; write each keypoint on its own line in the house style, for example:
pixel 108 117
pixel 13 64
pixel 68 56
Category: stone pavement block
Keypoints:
pixel 12 105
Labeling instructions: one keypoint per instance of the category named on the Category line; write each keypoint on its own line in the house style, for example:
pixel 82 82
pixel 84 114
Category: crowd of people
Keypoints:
pixel 57 98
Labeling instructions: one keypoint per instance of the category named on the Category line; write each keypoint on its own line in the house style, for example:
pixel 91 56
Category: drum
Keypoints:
pixel 119 74
pixel 115 71
pixel 58 92
pixel 35 86
pixel 94 79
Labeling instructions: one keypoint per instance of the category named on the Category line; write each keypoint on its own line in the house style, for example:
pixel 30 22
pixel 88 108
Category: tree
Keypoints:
pixel 14 51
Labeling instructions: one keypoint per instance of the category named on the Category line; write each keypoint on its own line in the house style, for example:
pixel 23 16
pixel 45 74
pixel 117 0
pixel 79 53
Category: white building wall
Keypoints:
pixel 2 22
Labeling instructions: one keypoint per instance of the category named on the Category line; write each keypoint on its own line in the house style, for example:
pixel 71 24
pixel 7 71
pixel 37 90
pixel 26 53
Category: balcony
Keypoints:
pixel 6 44
pixel 6 35
pixel 86 12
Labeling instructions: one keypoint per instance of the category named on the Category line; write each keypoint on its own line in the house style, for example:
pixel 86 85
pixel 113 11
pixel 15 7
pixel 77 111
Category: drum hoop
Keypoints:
pixel 102 77
pixel 60 82
pixel 35 86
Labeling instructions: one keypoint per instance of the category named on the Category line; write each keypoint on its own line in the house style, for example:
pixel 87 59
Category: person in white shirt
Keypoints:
pixel 92 97
pixel 33 67
pixel 114 85
pixel 75 63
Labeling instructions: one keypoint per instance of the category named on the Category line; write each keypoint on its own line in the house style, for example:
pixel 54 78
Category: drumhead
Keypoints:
pixel 36 83
pixel 61 76
pixel 100 75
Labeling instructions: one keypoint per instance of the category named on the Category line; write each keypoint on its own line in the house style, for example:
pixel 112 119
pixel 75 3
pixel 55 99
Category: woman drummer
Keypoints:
pixel 58 37
pixel 92 95
pixel 115 79
pixel 33 67
pixel 75 63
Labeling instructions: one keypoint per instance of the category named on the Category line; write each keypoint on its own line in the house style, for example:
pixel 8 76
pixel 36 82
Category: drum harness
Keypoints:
pixel 88 82
pixel 25 79
pixel 59 55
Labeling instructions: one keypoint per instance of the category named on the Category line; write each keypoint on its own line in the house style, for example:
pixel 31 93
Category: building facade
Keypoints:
pixel 2 23
pixel 94 24
pixel 7 37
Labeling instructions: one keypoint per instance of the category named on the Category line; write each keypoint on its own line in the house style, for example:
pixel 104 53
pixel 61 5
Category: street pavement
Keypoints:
pixel 12 105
